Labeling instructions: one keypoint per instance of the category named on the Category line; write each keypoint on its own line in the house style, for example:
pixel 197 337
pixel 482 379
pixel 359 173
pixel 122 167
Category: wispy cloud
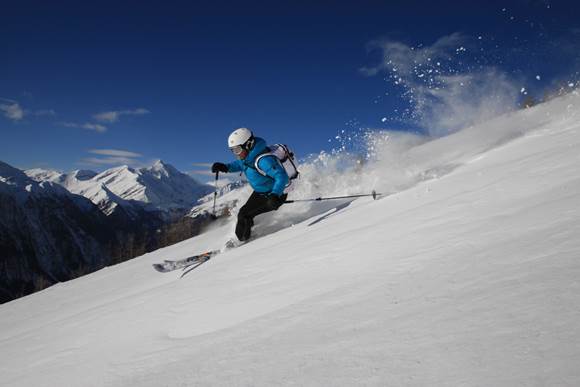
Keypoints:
pixel 204 172
pixel 115 153
pixel 87 125
pixel 95 161
pixel 44 113
pixel 113 157
pixel 11 109
pixel 114 115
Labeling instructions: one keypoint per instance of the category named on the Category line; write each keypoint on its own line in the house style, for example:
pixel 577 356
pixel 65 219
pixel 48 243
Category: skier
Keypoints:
pixel 268 187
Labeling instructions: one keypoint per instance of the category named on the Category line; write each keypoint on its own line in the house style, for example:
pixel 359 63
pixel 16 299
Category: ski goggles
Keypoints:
pixel 237 150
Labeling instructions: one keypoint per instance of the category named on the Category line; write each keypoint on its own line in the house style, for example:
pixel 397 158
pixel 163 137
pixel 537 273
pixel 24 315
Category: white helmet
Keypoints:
pixel 239 137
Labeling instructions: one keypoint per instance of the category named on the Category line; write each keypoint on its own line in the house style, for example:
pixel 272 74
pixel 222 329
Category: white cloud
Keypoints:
pixel 95 127
pixel 201 172
pixel 107 116
pixel 109 161
pixel 113 157
pixel 87 125
pixel 115 115
pixel 14 111
pixel 11 110
pixel 115 153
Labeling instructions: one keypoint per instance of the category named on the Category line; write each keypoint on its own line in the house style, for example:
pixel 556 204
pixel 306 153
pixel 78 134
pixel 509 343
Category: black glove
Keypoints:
pixel 219 167
pixel 275 201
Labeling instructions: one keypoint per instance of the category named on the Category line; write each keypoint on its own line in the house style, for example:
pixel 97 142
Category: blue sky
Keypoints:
pixel 97 85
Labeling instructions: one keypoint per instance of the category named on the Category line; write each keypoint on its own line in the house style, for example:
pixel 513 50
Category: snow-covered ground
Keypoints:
pixel 467 274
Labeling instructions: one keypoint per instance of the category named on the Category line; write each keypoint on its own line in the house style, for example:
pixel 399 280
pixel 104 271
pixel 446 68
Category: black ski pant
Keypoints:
pixel 257 204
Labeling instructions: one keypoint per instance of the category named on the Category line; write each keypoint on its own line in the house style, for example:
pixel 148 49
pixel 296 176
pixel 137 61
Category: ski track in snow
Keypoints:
pixel 466 275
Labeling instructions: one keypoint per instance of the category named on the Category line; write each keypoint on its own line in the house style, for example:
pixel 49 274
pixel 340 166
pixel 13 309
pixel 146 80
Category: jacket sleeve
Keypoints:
pixel 272 167
pixel 235 166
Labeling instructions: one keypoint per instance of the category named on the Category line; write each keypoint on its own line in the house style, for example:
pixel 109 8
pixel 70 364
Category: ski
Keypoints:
pixel 168 266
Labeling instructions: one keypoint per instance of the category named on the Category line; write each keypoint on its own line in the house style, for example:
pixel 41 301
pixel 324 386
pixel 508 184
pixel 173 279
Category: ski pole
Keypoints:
pixel 215 193
pixel 374 194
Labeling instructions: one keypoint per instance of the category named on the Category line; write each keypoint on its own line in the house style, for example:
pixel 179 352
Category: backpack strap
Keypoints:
pixel 260 157
pixel 254 165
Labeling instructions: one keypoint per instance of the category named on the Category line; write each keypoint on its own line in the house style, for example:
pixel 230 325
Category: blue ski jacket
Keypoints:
pixel 276 177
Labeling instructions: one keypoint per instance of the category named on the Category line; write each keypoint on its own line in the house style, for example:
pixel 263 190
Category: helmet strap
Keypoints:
pixel 250 143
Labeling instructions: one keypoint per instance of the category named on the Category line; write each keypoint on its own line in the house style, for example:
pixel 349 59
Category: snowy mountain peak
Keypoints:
pixel 36 183
pixel 122 169
pixel 158 164
pixel 83 174
pixel 160 169
pixel 41 174
pixel 158 187
pixel 13 176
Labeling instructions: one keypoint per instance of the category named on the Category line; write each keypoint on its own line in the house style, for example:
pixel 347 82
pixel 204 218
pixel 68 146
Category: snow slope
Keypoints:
pixel 466 275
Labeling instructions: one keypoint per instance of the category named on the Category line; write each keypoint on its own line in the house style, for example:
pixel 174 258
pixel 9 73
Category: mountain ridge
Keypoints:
pixel 56 226
pixel 160 187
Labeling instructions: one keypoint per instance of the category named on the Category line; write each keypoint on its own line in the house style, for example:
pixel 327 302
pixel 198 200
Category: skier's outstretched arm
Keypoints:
pixel 221 167
pixel 235 166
